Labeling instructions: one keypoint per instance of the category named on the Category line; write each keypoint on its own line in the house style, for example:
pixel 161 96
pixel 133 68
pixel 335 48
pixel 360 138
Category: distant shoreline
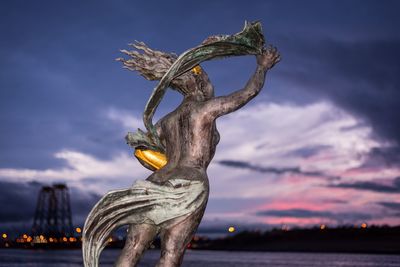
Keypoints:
pixel 375 240
pixel 371 240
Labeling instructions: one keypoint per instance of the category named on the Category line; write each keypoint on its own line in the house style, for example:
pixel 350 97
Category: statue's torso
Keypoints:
pixel 190 138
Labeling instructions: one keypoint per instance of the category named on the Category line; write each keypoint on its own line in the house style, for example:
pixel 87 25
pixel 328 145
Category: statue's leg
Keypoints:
pixel 175 238
pixel 138 239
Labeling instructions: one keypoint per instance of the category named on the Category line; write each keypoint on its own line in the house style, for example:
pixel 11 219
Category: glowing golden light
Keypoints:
pixel 78 230
pixel 29 239
pixel 4 236
pixel 71 239
pixel 322 226
pixel 154 158
pixel 25 236
pixel 231 229
pixel 41 237
pixel 65 239
pixel 363 225
pixel 197 70
pixel 51 239
pixel 110 239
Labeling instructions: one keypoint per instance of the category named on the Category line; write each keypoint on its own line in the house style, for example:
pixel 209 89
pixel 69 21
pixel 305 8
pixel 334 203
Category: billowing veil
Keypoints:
pixel 250 41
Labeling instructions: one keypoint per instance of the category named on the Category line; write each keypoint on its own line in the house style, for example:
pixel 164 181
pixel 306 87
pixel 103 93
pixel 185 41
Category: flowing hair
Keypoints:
pixel 153 64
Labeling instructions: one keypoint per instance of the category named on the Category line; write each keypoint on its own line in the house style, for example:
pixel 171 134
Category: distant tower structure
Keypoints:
pixel 53 212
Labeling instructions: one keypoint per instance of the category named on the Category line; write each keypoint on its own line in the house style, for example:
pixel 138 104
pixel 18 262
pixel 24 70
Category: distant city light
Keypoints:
pixel 322 227
pixel 285 227
pixel 4 236
pixel 78 230
pixel 363 225
pixel 231 229
pixel 25 236
pixel 65 239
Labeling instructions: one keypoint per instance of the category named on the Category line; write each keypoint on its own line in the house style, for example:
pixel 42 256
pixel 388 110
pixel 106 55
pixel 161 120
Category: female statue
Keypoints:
pixel 178 148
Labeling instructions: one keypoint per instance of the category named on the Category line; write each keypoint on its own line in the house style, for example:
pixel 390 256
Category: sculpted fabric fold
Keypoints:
pixel 144 202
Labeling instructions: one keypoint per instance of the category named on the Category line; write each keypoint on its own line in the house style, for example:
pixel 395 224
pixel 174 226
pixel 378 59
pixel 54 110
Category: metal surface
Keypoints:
pixel 53 212
pixel 187 136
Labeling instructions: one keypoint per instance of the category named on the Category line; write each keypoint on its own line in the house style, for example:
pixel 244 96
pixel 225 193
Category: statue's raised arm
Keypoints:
pixel 250 41
pixel 222 105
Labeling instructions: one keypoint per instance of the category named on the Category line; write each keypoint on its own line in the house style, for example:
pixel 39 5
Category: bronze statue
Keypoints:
pixel 178 148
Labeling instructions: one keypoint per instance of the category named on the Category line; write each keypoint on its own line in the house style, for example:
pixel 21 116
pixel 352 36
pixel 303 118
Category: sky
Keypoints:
pixel 319 145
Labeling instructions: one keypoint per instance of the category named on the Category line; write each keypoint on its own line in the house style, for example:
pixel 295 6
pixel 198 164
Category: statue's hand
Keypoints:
pixel 268 58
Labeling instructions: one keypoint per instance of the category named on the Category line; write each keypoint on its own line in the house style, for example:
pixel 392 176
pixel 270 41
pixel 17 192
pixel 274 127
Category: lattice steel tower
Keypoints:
pixel 53 212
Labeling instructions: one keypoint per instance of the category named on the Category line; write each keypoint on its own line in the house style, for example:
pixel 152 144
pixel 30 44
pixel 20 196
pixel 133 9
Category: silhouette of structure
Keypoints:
pixel 53 212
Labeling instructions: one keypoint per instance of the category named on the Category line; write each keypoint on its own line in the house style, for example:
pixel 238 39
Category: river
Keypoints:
pixel 196 258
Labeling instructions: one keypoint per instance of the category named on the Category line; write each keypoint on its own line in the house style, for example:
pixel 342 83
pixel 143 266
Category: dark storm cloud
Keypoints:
pixel 58 74
pixel 359 76
pixel 390 205
pixel 334 201
pixel 372 186
pixel 385 156
pixel 246 165
pixel 18 203
pixel 55 81
pixel 273 170
pixel 309 151
pixel 81 204
pixel 354 64
pixel 303 213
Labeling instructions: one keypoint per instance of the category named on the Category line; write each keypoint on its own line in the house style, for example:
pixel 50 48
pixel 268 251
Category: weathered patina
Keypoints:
pixel 178 148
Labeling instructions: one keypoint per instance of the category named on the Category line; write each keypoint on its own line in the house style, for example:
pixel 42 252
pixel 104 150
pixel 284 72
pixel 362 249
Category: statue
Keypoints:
pixel 178 148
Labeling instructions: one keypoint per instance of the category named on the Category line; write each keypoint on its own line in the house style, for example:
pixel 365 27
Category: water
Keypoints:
pixel 72 258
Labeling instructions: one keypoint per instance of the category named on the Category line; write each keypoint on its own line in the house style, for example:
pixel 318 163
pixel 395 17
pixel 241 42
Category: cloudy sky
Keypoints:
pixel 320 144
